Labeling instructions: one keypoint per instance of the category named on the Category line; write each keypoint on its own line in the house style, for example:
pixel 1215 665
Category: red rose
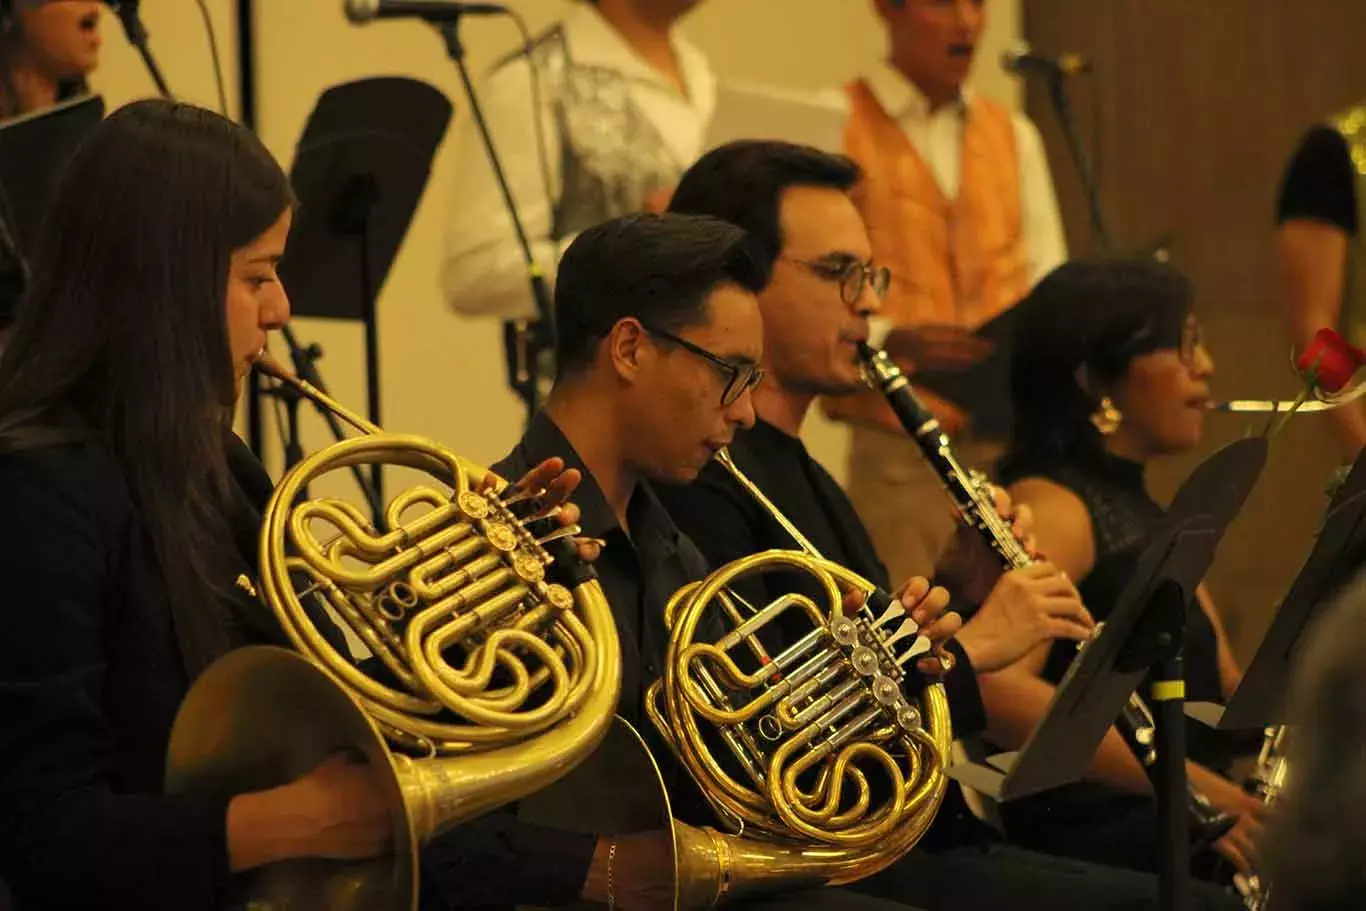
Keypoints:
pixel 1332 360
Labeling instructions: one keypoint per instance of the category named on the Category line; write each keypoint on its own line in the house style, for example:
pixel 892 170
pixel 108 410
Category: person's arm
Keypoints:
pixel 1229 670
pixel 1313 260
pixel 66 834
pixel 1017 697
pixel 1041 217
pixel 484 272
pixel 1316 220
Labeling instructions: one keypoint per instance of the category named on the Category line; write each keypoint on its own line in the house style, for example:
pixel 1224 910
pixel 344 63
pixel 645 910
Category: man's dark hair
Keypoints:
pixel 659 269
pixel 743 183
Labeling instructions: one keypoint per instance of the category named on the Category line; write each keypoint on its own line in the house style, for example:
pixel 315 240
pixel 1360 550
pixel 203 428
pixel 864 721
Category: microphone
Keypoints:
pixel 127 11
pixel 1022 61
pixel 438 11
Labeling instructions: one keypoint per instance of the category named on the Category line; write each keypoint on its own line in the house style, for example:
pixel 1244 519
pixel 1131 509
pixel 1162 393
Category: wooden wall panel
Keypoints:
pixel 1202 102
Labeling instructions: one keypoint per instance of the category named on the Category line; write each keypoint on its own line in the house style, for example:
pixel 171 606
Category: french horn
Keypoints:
pixel 496 666
pixel 830 771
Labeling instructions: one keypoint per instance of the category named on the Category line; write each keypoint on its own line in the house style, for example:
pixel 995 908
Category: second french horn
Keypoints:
pixel 830 772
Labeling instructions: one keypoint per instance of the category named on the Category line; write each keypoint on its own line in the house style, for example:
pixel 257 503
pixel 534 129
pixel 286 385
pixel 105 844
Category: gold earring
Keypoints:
pixel 1106 418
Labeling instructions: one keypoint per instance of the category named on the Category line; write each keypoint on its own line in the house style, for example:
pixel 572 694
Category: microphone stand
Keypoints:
pixel 527 342
pixel 1062 105
pixel 127 11
pixel 305 360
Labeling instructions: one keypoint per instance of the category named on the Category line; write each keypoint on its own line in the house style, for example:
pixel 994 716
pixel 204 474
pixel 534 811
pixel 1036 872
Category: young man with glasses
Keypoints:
pixel 795 204
pixel 660 341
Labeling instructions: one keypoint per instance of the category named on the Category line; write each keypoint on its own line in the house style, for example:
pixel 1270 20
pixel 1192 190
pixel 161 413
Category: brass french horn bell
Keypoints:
pixel 493 662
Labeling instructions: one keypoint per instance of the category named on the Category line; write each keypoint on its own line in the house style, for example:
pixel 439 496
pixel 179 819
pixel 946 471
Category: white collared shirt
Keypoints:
pixel 484 272
pixel 938 138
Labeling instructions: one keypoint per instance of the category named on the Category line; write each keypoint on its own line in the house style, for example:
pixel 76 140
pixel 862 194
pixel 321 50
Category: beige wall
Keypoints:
pixel 181 47
pixel 442 375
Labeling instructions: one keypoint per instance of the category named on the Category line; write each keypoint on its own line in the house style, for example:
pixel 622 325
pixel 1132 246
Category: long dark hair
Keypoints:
pixel 1078 330
pixel 122 336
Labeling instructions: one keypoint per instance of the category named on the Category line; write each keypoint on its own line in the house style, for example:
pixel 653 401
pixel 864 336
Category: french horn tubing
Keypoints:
pixel 495 666
pixel 830 771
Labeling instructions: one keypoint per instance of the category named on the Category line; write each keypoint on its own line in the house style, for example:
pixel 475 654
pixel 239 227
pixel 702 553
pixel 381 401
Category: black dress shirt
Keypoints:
pixel 639 572
pixel 728 523
pixel 500 859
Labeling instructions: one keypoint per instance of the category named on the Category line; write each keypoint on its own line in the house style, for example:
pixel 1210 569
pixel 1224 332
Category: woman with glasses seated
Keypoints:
pixel 1109 372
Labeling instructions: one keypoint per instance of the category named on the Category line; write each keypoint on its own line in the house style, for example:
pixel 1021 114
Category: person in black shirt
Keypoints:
pixel 1109 372
pixel 659 340
pixel 1321 251
pixel 131 510
pixel 117 488
pixel 794 202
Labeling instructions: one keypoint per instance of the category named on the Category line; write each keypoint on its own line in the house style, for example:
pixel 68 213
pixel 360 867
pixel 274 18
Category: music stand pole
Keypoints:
pixel 525 340
pixel 304 358
pixel 1062 105
pixel 133 28
pixel 353 218
pixel 1173 814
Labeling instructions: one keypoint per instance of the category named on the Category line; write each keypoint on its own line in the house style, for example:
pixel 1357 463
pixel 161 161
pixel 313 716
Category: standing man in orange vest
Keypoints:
pixel 960 205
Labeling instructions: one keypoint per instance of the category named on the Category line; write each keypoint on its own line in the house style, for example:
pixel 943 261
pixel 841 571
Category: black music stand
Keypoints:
pixel 360 170
pixel 33 149
pixel 1337 555
pixel 1143 635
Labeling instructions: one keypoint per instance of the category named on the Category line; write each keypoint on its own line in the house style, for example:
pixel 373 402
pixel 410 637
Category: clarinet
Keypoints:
pixel 971 494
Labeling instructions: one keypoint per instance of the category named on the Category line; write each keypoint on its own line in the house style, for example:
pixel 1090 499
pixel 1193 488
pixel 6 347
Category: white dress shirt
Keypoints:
pixel 600 91
pixel 938 138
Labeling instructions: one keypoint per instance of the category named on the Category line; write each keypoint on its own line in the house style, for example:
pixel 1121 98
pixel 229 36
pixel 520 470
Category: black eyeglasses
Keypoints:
pixel 853 277
pixel 740 378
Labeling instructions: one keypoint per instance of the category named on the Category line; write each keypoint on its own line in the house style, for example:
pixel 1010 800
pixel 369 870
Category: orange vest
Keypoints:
pixel 959 261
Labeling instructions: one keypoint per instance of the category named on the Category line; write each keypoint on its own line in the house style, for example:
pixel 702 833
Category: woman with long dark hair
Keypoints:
pixel 1109 372
pixel 154 284
pixel 130 512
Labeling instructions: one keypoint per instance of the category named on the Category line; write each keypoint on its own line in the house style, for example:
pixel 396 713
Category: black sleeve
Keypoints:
pixel 1320 182
pixel 965 698
pixel 722 522
pixel 67 840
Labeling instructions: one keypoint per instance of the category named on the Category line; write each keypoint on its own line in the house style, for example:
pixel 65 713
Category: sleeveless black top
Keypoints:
pixel 1123 517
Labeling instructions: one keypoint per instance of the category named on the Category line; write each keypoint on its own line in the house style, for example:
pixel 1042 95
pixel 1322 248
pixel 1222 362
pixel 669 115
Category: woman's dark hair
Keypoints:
pixel 11 38
pixel 1078 330
pixel 122 336
pixel 657 268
